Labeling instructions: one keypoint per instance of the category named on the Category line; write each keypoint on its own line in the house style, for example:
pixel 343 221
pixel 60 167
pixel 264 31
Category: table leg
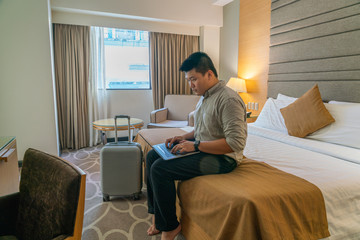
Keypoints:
pixel 103 137
pixel 131 134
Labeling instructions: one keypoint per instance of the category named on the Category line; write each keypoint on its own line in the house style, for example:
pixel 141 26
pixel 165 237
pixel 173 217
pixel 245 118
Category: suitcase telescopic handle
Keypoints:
pixel 122 116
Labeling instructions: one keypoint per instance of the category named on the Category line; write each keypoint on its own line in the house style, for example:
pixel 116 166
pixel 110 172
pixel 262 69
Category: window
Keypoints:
pixel 126 59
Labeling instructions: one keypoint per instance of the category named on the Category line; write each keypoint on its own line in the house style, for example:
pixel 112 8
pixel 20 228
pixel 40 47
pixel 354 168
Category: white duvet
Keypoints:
pixel 334 169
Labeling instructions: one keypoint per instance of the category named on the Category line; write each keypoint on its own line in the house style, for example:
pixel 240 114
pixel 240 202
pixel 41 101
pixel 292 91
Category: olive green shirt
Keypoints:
pixel 221 113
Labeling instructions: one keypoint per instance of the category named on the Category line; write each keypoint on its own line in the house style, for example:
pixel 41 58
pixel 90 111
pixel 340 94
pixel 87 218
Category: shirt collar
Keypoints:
pixel 214 89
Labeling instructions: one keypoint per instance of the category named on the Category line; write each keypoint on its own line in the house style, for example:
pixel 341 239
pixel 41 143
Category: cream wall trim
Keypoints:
pixel 221 2
pixel 316 41
pixel 210 43
pixel 229 41
pixel 122 23
pixel 26 92
pixel 52 62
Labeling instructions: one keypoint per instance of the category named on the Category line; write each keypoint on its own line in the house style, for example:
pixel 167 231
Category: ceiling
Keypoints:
pixel 221 2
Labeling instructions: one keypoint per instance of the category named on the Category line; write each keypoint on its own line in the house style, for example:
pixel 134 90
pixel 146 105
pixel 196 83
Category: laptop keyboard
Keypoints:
pixel 166 150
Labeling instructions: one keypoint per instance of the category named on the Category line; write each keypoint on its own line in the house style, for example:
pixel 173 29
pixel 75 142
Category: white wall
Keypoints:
pixel 123 23
pixel 198 12
pixel 160 16
pixel 135 103
pixel 190 17
pixel 229 41
pixel 210 43
pixel 26 89
pixel 26 76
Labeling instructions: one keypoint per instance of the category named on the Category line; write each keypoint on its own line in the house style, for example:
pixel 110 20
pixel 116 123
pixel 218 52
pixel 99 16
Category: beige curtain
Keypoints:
pixel 97 95
pixel 167 52
pixel 71 53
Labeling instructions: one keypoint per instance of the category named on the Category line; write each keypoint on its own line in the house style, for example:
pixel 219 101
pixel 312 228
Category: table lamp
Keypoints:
pixel 237 84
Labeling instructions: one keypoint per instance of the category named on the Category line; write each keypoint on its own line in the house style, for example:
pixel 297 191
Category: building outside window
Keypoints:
pixel 126 59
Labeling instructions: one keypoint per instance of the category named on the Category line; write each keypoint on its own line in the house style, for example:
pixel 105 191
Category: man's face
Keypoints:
pixel 199 83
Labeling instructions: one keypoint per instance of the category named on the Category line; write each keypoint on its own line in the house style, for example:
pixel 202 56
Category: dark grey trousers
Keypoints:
pixel 161 186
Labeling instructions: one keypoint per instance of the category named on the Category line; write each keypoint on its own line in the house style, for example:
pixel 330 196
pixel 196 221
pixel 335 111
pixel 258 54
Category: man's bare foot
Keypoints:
pixel 171 234
pixel 152 229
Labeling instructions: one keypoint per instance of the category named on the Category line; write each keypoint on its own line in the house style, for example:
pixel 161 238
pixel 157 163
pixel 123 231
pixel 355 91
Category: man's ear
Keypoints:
pixel 211 73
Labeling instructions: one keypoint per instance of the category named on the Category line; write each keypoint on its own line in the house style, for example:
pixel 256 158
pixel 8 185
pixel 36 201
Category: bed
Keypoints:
pixel 279 190
pixel 309 186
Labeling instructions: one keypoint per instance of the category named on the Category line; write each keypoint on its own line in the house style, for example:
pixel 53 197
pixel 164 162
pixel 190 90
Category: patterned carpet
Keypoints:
pixel 119 219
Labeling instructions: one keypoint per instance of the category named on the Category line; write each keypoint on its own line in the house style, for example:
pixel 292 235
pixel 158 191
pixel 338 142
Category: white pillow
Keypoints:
pixel 346 128
pixel 338 102
pixel 270 116
pixel 285 98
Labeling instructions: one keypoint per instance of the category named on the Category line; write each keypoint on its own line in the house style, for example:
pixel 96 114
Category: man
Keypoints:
pixel 220 133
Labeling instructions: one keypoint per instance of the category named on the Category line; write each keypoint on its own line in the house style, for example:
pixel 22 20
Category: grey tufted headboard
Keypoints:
pixel 315 41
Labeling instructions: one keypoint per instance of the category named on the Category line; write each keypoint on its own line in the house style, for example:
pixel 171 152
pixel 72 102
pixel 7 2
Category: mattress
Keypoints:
pixel 334 169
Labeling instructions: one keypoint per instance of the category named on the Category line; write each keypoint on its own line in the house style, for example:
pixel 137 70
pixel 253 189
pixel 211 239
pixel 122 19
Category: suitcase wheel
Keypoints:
pixel 106 198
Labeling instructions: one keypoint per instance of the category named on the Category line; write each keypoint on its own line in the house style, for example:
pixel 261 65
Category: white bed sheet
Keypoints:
pixel 334 169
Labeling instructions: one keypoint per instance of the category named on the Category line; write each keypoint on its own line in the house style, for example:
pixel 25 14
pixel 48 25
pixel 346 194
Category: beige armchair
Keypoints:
pixel 178 112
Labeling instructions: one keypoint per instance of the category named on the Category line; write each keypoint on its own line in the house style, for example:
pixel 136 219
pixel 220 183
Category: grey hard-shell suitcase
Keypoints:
pixel 121 167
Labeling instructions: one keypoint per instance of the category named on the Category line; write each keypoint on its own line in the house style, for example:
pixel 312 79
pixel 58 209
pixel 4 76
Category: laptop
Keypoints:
pixel 165 153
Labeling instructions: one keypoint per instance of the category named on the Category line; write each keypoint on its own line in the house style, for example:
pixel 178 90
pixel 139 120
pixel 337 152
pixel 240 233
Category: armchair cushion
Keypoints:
pixel 175 113
pixel 179 106
pixel 168 124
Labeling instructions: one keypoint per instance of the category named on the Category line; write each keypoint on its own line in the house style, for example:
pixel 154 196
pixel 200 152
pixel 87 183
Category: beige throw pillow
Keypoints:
pixel 307 114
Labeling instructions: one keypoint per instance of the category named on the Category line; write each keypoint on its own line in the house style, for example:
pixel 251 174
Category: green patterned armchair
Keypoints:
pixel 50 204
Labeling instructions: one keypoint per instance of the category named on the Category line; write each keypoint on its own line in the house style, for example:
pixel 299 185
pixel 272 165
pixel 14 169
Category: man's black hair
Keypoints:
pixel 200 61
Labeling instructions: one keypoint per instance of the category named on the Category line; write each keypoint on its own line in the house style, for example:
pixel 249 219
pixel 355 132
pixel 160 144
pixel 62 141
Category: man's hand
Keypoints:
pixel 183 147
pixel 174 140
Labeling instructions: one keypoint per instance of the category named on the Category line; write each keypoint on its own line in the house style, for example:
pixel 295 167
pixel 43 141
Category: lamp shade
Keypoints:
pixel 237 84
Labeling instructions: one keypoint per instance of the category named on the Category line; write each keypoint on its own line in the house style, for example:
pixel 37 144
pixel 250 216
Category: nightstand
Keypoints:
pixel 251 119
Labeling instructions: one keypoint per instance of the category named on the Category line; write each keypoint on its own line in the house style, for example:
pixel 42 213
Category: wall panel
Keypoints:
pixel 254 41
pixel 315 41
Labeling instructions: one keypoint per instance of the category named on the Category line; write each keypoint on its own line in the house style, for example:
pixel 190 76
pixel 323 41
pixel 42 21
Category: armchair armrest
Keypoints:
pixel 191 119
pixel 62 237
pixel 9 205
pixel 158 115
